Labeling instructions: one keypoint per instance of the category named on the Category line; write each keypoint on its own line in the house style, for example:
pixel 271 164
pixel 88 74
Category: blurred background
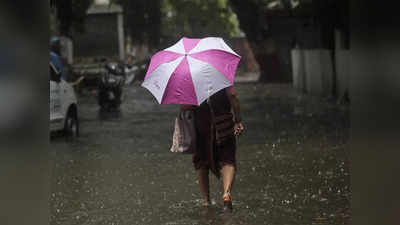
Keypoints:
pixel 307 67
pixel 293 83
pixel 302 42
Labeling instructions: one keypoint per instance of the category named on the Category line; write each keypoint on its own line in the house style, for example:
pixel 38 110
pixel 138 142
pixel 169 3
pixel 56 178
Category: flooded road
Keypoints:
pixel 293 164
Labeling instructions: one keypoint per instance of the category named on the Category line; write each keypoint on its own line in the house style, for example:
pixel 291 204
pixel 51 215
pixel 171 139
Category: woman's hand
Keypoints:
pixel 238 128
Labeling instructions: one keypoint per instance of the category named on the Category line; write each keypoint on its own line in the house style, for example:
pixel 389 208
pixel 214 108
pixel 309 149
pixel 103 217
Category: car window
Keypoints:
pixel 54 73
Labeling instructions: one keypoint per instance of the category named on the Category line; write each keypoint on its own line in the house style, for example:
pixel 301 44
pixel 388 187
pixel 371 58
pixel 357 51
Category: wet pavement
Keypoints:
pixel 293 164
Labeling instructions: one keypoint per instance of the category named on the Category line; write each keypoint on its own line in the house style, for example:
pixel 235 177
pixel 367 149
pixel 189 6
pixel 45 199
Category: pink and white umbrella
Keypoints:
pixel 191 71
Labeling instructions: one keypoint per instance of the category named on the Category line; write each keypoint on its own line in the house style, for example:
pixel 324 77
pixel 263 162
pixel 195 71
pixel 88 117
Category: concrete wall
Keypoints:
pixel 342 72
pixel 285 33
pixel 342 66
pixel 312 71
pixel 299 77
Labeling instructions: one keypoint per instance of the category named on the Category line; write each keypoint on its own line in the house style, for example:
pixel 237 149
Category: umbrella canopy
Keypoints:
pixel 191 71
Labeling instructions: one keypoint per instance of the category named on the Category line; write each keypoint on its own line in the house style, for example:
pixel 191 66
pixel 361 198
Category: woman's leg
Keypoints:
pixel 204 184
pixel 228 176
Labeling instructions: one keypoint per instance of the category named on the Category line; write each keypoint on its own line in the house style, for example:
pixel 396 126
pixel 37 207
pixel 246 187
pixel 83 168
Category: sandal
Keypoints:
pixel 227 203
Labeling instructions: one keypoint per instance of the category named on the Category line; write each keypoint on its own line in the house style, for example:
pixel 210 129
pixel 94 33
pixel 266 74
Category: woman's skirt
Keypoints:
pixel 210 153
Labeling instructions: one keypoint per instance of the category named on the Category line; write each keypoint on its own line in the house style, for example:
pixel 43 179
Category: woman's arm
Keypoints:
pixel 234 100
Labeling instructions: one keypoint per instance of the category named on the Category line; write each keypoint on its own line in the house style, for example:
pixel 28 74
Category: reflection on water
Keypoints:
pixel 292 165
pixel 109 114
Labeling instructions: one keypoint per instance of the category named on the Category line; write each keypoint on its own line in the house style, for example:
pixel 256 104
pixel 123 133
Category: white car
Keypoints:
pixel 63 105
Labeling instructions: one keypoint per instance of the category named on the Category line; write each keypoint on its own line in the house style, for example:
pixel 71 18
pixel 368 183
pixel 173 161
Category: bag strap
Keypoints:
pixel 211 110
pixel 213 120
pixel 220 124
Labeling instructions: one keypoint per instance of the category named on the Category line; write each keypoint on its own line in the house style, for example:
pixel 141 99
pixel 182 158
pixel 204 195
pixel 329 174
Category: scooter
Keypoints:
pixel 110 87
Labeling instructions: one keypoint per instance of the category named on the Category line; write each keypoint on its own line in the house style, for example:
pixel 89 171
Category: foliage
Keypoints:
pixel 70 14
pixel 153 21
pixel 164 21
pixel 197 18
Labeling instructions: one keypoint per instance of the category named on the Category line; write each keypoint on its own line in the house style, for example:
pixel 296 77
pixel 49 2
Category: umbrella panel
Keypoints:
pixel 180 87
pixel 224 62
pixel 194 71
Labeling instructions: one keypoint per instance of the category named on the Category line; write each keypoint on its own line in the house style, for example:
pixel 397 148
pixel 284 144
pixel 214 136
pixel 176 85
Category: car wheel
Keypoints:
pixel 71 126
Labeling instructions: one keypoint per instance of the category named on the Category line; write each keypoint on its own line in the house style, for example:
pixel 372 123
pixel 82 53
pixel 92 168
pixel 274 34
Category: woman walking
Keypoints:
pixel 188 73
pixel 216 128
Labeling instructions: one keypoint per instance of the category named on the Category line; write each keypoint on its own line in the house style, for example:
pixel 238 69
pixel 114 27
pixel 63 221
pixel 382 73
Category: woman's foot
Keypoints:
pixel 206 203
pixel 227 203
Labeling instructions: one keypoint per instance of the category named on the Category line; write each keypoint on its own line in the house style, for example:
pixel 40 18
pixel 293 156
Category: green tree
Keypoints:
pixel 197 18
pixel 161 22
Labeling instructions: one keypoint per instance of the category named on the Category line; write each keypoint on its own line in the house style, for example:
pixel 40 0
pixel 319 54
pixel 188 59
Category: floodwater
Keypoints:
pixel 293 164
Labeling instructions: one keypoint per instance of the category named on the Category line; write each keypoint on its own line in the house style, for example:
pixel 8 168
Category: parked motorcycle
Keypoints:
pixel 110 86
